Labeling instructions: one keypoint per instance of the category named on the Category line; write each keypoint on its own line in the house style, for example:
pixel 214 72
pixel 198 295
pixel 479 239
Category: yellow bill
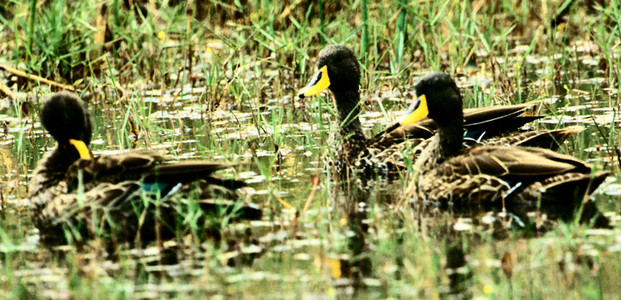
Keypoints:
pixel 417 112
pixel 319 83
pixel 82 148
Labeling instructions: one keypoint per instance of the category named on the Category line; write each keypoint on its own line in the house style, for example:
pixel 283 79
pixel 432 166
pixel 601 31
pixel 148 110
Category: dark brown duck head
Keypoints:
pixel 338 70
pixel 66 118
pixel 439 99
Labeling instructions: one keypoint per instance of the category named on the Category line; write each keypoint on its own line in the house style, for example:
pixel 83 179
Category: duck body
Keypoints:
pixel 136 196
pixel 338 70
pixel 491 175
pixel 448 172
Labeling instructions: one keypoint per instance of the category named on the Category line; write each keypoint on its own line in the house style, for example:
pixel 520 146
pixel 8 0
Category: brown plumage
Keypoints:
pixel 132 196
pixel 339 71
pixel 448 172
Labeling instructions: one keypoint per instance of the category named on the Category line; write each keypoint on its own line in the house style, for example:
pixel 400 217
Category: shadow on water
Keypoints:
pixel 463 229
pixel 458 231
pixel 353 202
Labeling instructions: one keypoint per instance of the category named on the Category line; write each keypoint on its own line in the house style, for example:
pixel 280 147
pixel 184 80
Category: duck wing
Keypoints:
pixel 488 121
pixel 512 162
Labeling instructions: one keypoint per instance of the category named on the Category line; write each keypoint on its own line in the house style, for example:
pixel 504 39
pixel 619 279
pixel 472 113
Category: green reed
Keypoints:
pixel 252 59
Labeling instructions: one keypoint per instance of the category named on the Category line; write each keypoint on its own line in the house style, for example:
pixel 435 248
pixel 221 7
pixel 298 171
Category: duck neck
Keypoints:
pixel 348 106
pixel 50 172
pixel 450 137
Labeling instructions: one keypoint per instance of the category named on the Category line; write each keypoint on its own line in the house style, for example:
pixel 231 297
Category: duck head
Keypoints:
pixel 438 98
pixel 337 69
pixel 66 118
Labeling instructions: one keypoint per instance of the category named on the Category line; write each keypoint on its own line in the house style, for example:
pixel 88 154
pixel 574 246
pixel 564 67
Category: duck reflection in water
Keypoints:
pixel 459 230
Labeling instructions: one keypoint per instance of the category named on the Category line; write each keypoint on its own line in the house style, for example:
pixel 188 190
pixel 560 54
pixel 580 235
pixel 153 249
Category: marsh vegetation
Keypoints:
pixel 219 81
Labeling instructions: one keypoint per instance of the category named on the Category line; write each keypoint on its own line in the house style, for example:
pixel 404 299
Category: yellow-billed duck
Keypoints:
pixel 133 196
pixel 338 70
pixel 448 172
